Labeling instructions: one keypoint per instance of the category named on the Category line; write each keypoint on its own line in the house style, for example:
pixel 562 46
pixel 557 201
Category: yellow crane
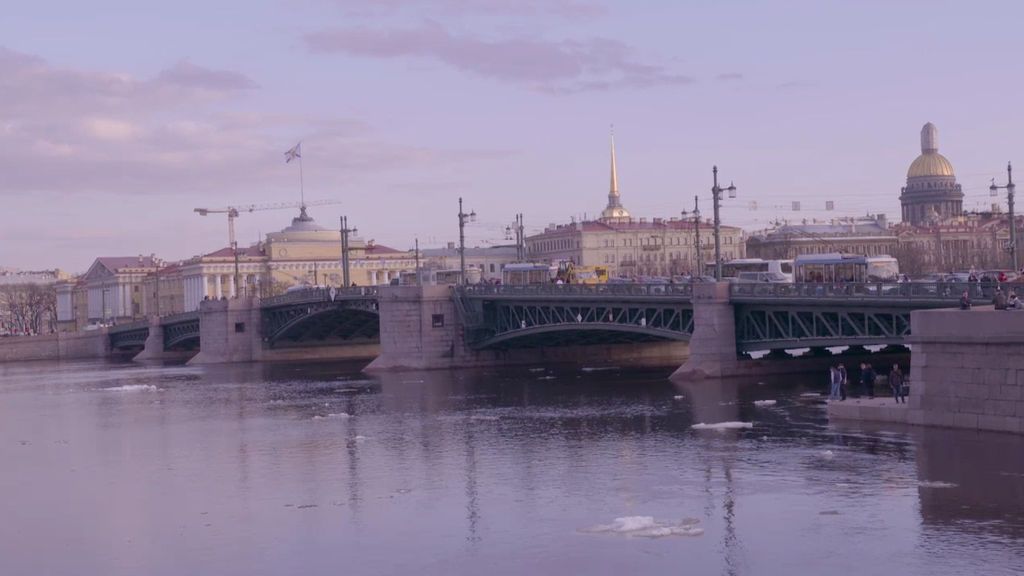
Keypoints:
pixel 234 211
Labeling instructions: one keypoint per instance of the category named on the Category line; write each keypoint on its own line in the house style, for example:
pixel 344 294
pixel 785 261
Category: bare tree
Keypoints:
pixel 28 308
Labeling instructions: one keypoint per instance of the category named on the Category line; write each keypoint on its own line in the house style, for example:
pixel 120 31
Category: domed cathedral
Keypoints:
pixel 615 211
pixel 931 194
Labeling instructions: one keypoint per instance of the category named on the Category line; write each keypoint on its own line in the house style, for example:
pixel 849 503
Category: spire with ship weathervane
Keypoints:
pixel 614 209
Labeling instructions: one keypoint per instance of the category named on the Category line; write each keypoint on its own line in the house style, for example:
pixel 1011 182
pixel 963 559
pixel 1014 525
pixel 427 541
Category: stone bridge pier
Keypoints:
pixel 713 344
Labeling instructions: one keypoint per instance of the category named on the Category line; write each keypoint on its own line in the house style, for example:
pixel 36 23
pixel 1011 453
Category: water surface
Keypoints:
pixel 287 469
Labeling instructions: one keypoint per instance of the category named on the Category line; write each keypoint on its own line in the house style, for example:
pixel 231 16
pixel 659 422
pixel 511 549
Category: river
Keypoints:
pixel 121 469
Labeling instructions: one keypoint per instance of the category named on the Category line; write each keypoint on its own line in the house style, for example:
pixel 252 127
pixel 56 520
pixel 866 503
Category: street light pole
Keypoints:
pixel 462 240
pixel 716 193
pixel 1010 188
pixel 345 231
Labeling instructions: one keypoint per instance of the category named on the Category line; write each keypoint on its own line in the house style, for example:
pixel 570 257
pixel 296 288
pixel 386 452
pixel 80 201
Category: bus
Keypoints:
pixel 523 273
pixel 770 270
pixel 838 267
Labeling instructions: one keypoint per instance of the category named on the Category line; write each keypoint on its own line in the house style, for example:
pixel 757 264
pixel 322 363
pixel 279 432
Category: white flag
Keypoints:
pixel 294 153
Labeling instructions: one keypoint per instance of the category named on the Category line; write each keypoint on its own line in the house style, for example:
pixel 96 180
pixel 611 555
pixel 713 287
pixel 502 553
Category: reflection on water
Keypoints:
pixel 319 469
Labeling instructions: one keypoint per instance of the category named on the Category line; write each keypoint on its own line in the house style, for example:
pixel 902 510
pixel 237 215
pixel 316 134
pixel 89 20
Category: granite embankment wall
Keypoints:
pixel 93 344
pixel 968 369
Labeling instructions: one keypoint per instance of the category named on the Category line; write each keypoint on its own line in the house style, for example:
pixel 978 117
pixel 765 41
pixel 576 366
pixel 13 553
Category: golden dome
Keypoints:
pixel 930 164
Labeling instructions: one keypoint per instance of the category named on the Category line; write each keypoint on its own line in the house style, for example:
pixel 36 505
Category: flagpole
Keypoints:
pixel 302 191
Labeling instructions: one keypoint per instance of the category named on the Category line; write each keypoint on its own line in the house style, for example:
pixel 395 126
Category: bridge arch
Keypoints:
pixel 334 322
pixel 574 334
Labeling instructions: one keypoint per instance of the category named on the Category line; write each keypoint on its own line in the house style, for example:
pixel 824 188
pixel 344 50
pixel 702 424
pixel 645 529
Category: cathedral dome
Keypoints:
pixel 930 164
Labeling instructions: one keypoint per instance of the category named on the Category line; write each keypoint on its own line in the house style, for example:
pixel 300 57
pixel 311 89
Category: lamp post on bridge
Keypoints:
pixel 699 267
pixel 1009 187
pixel 716 193
pixel 463 217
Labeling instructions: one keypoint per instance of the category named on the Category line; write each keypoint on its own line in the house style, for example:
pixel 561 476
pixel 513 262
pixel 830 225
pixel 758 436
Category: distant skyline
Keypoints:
pixel 118 118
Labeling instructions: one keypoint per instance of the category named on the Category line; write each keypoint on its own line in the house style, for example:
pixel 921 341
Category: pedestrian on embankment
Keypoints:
pixel 867 379
pixel 999 299
pixel 896 383
pixel 843 382
pixel 835 382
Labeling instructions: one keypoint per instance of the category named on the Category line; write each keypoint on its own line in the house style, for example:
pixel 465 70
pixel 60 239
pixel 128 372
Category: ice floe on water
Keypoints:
pixel 828 454
pixel 341 415
pixel 484 418
pixel 536 369
pixel 677 397
pixel 764 402
pixel 546 378
pixel 598 368
pixel 647 527
pixel 133 388
pixel 936 484
pixel 723 426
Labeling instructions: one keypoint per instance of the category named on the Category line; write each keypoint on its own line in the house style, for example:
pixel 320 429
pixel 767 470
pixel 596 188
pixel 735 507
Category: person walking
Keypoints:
pixel 999 299
pixel 896 383
pixel 867 379
pixel 836 382
pixel 842 382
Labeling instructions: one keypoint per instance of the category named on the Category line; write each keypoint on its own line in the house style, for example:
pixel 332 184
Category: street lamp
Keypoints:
pixel 994 190
pixel 716 193
pixel 463 217
pixel 698 269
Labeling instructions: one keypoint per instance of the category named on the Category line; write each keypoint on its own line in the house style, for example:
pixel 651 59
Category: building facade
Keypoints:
pixel 630 247
pixel 490 261
pixel 869 235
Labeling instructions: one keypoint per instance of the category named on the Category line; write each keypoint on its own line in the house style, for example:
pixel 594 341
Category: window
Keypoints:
pixel 492 267
pixel 135 289
pixel 437 320
pixel 239 327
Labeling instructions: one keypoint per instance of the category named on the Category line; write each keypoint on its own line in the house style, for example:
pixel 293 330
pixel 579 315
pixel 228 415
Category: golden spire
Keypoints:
pixel 615 175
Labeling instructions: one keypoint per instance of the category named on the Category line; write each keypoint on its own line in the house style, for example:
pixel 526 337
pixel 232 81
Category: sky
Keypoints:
pixel 119 117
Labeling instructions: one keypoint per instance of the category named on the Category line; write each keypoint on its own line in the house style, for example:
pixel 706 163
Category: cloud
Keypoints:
pixel 185 73
pixel 569 9
pixel 75 132
pixel 729 77
pixel 548 66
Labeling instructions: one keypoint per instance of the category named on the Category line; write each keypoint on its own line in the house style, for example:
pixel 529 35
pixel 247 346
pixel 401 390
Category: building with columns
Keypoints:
pixel 630 246
pixel 932 193
pixel 110 291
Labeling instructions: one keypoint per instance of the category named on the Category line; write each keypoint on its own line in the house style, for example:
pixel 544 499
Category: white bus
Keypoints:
pixel 765 270
pixel 838 267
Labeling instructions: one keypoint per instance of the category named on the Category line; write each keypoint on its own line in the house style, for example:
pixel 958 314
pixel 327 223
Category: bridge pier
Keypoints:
pixel 153 349
pixel 713 344
pixel 229 331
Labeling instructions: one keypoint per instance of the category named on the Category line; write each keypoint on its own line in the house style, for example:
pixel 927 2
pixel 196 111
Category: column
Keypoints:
pixel 373 277
pixel 234 289
pixel 188 296
pixel 217 293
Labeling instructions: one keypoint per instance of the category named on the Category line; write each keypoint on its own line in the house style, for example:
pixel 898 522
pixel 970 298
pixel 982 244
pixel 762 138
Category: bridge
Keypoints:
pixel 767 316
pixel 481 324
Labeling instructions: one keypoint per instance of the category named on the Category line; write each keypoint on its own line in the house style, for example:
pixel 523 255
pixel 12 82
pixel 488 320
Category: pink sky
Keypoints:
pixel 116 120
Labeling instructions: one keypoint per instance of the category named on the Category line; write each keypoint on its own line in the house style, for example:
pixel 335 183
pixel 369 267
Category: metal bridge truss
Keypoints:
pixel 133 336
pixel 335 321
pixel 761 327
pixel 539 324
pixel 181 331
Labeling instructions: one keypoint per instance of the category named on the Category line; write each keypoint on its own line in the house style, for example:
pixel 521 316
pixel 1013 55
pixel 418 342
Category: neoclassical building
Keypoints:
pixel 932 193
pixel 630 246
pixel 123 289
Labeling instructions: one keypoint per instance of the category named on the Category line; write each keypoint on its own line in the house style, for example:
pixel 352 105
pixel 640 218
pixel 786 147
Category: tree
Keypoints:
pixel 28 308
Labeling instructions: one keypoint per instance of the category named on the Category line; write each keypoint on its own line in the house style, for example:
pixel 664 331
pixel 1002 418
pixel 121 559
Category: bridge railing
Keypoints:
pixel 179 317
pixel 128 327
pixel 561 290
pixel 950 291
pixel 319 295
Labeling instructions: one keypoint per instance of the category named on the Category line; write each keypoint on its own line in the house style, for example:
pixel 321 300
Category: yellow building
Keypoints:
pixel 630 246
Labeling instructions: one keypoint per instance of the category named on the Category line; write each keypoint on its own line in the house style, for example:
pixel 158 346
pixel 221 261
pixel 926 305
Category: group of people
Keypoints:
pixel 1000 301
pixel 838 378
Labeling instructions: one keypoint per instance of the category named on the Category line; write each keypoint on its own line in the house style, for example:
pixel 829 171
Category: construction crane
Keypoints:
pixel 234 211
